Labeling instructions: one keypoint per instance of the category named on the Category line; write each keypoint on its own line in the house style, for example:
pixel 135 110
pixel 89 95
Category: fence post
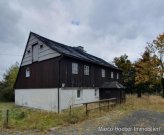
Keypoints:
pixel 6 118
pixel 108 105
pixel 99 107
pixel 70 110
pixel 86 109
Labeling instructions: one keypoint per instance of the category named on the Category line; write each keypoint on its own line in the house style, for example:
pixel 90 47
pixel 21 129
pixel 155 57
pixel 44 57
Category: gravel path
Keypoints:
pixel 138 123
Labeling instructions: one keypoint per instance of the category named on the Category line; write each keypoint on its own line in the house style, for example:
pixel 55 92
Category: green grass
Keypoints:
pixel 21 118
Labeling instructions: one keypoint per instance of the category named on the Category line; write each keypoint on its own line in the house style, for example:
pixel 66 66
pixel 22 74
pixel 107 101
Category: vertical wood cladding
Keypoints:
pixel 94 79
pixel 44 74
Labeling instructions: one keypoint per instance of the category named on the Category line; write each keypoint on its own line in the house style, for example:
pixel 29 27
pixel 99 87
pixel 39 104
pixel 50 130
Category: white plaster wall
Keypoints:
pixel 47 99
pixel 69 97
pixel 37 98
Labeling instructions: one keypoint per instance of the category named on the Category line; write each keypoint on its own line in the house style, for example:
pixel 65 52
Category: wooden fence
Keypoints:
pixel 109 102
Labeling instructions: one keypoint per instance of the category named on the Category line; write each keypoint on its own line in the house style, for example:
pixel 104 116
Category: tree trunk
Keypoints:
pixel 139 93
pixel 162 82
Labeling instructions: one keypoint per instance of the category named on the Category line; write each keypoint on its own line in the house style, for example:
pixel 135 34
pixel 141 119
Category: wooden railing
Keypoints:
pixel 110 102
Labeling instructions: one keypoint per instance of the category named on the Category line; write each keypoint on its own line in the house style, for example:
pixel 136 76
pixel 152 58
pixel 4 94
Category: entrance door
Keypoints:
pixel 35 53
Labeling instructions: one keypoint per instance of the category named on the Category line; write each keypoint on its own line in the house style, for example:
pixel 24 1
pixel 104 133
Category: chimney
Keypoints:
pixel 81 48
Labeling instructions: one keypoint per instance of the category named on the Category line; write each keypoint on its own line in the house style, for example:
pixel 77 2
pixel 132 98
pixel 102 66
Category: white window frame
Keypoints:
pixel 117 75
pixel 27 72
pixel 103 73
pixel 74 68
pixel 86 70
pixel 111 74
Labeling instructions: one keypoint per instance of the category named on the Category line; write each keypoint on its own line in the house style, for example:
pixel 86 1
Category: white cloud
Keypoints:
pixel 106 29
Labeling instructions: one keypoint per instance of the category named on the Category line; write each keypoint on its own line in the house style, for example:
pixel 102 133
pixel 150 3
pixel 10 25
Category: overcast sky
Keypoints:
pixel 106 28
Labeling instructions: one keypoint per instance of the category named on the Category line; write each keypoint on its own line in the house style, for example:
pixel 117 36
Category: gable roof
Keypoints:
pixel 73 52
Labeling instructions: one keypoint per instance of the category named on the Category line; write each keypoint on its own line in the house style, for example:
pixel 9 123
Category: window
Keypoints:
pixel 117 75
pixel 28 51
pixel 111 74
pixel 41 46
pixel 86 70
pixel 27 72
pixel 79 93
pixel 74 68
pixel 96 92
pixel 103 72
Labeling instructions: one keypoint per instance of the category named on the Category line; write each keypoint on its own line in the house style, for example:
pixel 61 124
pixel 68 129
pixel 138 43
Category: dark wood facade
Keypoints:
pixel 43 74
pixel 94 79
pixel 53 72
pixel 106 93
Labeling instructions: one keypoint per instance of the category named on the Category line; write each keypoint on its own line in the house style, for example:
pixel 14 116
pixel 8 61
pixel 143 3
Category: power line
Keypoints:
pixel 11 54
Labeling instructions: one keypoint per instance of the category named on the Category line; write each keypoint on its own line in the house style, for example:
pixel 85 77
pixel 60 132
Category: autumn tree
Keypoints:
pixel 128 73
pixel 147 73
pixel 157 49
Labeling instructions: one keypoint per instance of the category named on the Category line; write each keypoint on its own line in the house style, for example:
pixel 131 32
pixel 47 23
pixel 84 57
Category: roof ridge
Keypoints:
pixel 71 51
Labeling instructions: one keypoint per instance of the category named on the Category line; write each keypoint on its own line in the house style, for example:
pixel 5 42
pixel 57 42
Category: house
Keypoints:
pixel 53 76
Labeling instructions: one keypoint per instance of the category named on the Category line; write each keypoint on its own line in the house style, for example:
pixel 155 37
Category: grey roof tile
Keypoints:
pixel 73 52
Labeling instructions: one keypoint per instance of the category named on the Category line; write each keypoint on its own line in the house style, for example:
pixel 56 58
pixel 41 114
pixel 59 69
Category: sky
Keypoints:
pixel 105 28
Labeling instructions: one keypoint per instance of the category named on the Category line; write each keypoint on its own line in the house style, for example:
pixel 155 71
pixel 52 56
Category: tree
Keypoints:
pixel 128 73
pixel 6 85
pixel 147 73
pixel 157 49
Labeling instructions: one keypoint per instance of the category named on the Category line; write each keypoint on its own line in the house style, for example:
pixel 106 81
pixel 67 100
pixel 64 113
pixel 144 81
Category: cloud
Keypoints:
pixel 106 29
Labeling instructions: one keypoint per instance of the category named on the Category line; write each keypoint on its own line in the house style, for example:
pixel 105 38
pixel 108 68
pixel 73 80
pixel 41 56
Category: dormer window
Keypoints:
pixel 41 46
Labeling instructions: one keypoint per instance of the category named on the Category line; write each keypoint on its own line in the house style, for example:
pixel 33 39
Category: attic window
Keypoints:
pixel 41 46
pixel 27 72
pixel 103 73
pixel 86 70
pixel 28 51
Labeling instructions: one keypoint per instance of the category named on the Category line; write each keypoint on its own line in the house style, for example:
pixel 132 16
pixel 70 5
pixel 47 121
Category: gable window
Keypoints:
pixel 79 93
pixel 102 72
pixel 41 46
pixel 117 75
pixel 28 51
pixel 111 74
pixel 27 72
pixel 74 68
pixel 86 70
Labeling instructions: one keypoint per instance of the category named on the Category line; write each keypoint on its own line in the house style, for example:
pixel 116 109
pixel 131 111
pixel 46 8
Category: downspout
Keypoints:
pixel 59 84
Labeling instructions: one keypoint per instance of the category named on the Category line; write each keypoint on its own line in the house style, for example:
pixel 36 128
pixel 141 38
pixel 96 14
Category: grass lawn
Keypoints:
pixel 21 118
